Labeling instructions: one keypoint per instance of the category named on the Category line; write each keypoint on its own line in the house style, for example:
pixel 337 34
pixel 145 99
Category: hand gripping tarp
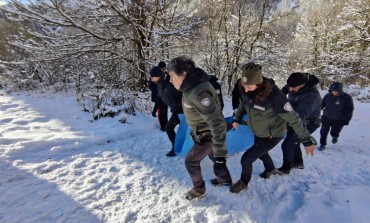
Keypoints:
pixel 237 140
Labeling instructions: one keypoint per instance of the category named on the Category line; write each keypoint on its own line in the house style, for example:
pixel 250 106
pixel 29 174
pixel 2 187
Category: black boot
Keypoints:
pixel 221 182
pixel 267 174
pixel 171 153
pixel 239 186
pixel 284 170
pixel 334 140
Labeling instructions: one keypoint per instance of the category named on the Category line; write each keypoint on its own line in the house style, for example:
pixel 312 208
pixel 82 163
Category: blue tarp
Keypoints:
pixel 238 140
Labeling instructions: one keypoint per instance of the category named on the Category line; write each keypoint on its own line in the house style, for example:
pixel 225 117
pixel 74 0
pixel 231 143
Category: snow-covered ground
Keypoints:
pixel 58 166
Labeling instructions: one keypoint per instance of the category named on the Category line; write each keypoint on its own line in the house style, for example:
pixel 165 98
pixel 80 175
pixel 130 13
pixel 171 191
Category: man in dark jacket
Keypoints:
pixel 202 110
pixel 235 95
pixel 214 81
pixel 162 107
pixel 171 97
pixel 306 101
pixel 268 112
pixel 337 112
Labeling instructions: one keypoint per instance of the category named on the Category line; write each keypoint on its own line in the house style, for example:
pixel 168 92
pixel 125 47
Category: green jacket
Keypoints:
pixel 269 118
pixel 202 110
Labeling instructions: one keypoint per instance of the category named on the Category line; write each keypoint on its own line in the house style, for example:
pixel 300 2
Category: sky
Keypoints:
pixel 57 165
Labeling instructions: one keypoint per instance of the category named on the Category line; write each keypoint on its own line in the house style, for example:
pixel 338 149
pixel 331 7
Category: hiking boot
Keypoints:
pixel 171 153
pixel 322 147
pixel 195 193
pixel 267 174
pixel 334 140
pixel 298 165
pixel 239 186
pixel 284 170
pixel 221 182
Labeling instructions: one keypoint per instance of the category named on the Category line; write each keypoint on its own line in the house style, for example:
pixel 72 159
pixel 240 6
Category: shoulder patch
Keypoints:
pixel 218 91
pixel 288 107
pixel 205 101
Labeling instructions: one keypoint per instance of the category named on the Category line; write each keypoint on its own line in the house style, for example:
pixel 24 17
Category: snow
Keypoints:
pixel 57 165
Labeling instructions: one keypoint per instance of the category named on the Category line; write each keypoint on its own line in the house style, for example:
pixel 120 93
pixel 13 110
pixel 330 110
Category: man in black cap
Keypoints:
pixel 171 97
pixel 305 99
pixel 162 108
pixel 337 112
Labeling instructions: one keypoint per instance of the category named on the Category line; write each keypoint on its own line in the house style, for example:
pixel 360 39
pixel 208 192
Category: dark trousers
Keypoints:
pixel 162 115
pixel 192 163
pixel 332 125
pixel 170 128
pixel 291 145
pixel 258 151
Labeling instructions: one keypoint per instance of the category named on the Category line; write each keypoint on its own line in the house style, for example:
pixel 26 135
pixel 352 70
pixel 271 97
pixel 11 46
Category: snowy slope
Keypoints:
pixel 57 166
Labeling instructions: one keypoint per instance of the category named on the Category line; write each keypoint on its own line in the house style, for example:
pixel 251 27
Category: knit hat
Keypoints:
pixel 336 86
pixel 161 64
pixel 251 74
pixel 296 79
pixel 156 72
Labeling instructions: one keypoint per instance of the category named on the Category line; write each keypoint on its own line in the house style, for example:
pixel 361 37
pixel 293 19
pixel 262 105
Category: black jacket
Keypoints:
pixel 307 101
pixel 217 86
pixel 153 88
pixel 169 95
pixel 235 95
pixel 338 108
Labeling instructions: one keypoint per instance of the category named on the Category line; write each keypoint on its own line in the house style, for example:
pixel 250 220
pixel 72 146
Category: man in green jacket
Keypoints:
pixel 203 112
pixel 268 112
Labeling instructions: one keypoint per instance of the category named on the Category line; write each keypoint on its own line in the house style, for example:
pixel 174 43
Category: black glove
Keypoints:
pixel 345 122
pixel 220 163
pixel 310 141
pixel 154 114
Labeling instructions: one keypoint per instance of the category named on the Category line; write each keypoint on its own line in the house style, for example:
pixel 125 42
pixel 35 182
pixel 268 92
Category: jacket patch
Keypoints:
pixel 288 107
pixel 205 102
pixel 244 80
pixel 259 107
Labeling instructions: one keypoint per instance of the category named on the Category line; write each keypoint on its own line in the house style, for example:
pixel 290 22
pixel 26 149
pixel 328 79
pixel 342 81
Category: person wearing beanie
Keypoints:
pixel 162 65
pixel 305 99
pixel 337 109
pixel 202 110
pixel 268 113
pixel 168 95
pixel 161 109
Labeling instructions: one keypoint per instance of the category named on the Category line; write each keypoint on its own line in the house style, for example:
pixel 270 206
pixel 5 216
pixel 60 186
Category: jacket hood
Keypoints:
pixel 193 78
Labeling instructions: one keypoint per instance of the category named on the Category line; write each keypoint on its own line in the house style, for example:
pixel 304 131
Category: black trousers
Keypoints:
pixel 332 125
pixel 162 115
pixel 258 151
pixel 170 128
pixel 192 163
pixel 291 145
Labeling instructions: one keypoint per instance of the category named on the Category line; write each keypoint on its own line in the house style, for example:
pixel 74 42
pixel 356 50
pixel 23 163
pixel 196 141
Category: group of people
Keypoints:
pixel 271 116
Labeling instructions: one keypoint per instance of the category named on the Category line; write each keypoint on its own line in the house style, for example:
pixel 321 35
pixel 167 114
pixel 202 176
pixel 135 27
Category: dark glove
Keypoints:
pixel 310 141
pixel 345 122
pixel 154 114
pixel 220 163
pixel 201 138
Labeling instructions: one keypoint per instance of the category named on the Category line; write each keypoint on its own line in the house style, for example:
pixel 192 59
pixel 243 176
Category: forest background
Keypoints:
pixel 102 49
